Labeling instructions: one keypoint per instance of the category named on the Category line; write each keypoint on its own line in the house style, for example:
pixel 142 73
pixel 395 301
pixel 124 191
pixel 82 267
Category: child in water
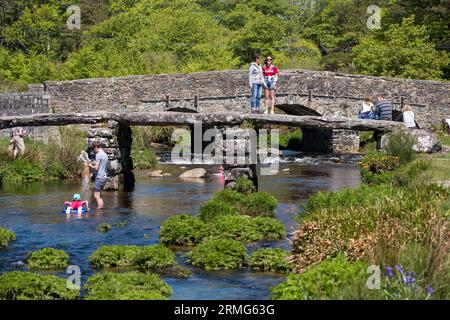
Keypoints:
pixel 76 204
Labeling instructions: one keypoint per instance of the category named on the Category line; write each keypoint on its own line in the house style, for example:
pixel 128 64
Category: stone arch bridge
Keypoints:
pixel 323 134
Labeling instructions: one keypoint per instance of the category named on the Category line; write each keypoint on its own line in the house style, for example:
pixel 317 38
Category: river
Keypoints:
pixel 33 211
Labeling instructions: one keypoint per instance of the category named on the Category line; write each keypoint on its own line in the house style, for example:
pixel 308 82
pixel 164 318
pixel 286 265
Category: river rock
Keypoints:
pixel 19 265
pixel 425 141
pixel 157 173
pixel 194 173
pixel 158 145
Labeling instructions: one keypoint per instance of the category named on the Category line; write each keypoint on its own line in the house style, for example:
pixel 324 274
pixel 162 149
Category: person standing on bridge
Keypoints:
pixel 256 82
pixel 100 168
pixel 383 109
pixel 270 73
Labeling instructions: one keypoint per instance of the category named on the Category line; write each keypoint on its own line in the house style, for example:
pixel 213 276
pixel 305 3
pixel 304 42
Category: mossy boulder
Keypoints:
pixel 127 286
pixel 218 253
pixel 6 236
pixel 19 285
pixel 48 258
pixel 114 256
pixel 270 259
pixel 183 230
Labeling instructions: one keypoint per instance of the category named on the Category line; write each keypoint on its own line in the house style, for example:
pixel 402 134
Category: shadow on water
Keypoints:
pixel 34 212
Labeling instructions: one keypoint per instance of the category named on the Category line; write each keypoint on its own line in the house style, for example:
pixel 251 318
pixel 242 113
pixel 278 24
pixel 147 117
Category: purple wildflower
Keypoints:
pixel 430 290
pixel 399 268
pixel 389 272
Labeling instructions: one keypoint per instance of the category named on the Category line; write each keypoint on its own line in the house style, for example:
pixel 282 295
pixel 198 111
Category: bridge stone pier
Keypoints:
pixel 116 141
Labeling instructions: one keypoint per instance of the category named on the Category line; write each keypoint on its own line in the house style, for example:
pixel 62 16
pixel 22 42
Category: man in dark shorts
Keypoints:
pixel 100 166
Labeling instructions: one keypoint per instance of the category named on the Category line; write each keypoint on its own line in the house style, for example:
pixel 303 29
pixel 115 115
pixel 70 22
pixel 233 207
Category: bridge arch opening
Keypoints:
pixel 297 110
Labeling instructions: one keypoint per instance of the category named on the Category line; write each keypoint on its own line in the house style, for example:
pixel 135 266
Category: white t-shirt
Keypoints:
pixel 367 107
pixel 408 119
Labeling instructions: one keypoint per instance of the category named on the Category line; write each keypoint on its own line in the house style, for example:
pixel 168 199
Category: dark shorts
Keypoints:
pixel 99 183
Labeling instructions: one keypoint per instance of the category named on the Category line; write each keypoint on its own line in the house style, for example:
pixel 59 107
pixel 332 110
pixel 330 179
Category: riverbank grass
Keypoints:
pixel 401 218
pixel 55 159
pixel 6 235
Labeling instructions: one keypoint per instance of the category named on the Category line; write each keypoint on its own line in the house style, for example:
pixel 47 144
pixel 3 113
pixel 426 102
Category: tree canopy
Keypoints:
pixel 125 37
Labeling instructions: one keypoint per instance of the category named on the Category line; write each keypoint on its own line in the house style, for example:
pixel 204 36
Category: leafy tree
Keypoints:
pixel 402 50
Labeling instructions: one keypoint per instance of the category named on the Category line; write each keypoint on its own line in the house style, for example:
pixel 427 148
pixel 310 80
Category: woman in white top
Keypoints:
pixel 367 109
pixel 408 117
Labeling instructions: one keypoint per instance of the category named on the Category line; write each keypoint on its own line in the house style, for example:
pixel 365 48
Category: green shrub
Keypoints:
pixel 248 229
pixel 267 228
pixel 268 259
pixel 291 140
pixel 235 227
pixel 19 285
pixel 127 286
pixel 21 170
pixel 156 258
pixel 48 258
pixel 6 236
pixel 183 230
pixel 104 227
pixel 400 144
pixel 144 159
pixel 259 204
pixel 215 208
pixel 331 279
pixel 114 256
pixel 378 162
pixel 217 254
pixel 245 186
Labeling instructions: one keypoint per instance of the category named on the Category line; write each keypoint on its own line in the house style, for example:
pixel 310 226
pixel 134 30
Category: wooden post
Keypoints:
pixel 310 95
pixel 402 102
pixel 167 102
pixel 196 102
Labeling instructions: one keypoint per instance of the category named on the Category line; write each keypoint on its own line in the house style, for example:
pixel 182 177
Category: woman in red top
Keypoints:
pixel 270 73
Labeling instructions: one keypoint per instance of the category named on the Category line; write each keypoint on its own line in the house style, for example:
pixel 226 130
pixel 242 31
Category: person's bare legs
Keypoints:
pixel 272 101
pixel 99 200
pixel 267 92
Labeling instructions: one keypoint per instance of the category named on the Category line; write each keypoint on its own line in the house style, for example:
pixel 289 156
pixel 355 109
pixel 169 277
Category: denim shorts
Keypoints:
pixel 99 183
pixel 270 83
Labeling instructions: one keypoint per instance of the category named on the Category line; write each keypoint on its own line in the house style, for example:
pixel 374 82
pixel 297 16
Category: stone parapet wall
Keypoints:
pixel 328 93
pixel 24 104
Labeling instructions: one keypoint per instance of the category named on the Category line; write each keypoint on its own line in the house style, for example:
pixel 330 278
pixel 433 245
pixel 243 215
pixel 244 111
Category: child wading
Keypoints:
pixel 76 204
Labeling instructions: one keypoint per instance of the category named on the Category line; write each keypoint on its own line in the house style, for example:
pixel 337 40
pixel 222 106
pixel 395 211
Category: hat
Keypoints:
pixel 76 196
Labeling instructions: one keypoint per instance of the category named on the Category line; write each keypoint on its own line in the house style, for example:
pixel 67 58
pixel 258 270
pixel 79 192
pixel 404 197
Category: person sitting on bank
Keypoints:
pixel 408 117
pixel 383 109
pixel 16 144
pixel 367 110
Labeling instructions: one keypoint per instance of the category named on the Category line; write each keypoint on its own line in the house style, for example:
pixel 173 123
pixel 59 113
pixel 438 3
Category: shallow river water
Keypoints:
pixel 33 211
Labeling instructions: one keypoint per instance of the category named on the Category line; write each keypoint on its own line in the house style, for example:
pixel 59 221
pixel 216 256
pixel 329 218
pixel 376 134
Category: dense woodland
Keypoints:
pixel 124 37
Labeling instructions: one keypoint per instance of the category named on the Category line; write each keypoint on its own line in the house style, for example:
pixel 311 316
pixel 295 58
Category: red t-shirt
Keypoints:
pixel 270 71
pixel 76 204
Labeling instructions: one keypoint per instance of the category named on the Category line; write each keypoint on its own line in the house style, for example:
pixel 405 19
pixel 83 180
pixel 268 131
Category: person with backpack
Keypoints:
pixel 16 144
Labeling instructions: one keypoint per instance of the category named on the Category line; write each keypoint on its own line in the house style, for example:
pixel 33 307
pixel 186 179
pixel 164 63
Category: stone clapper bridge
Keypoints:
pixel 331 135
